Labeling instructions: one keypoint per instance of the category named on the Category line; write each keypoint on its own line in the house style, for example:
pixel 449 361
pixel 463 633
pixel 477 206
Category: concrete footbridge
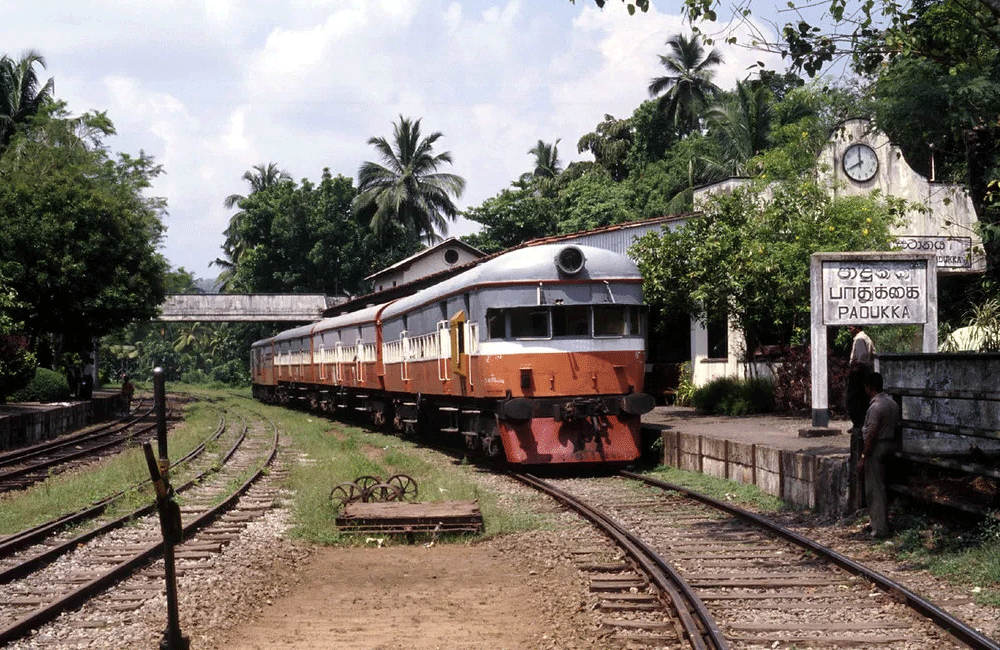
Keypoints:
pixel 230 307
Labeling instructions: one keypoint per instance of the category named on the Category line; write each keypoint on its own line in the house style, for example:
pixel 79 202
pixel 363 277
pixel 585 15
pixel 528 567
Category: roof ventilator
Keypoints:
pixel 570 260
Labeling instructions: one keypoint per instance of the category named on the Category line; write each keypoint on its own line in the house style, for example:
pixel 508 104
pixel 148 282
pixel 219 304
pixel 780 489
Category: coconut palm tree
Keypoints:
pixel 21 92
pixel 407 194
pixel 547 163
pixel 260 177
pixel 743 125
pixel 688 82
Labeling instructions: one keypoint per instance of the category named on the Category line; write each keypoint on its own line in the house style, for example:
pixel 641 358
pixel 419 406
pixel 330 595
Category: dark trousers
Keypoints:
pixel 875 485
pixel 856 399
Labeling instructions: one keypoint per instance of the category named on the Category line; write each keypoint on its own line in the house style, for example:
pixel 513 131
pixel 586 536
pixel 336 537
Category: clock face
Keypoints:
pixel 860 162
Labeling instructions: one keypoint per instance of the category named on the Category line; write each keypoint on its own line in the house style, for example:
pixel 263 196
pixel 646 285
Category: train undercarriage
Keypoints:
pixel 527 431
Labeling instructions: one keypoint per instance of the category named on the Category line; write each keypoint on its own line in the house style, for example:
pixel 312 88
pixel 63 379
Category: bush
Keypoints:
pixel 17 364
pixel 731 396
pixel 46 386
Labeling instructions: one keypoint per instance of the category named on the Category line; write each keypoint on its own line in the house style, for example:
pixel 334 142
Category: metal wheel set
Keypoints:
pixel 371 489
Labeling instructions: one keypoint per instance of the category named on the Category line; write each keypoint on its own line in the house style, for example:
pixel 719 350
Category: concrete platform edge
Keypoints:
pixel 804 478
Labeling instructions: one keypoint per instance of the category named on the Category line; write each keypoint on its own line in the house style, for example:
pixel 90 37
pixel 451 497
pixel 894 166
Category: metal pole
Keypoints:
pixel 160 400
pixel 170 516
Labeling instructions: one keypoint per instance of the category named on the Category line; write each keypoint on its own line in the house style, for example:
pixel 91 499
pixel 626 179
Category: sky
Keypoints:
pixel 210 88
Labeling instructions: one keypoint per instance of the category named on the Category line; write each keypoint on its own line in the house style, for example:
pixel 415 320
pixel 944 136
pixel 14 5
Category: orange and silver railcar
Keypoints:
pixel 537 354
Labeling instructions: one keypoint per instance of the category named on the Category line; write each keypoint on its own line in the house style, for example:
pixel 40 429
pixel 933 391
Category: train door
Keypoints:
pixel 359 364
pixel 459 364
pixel 338 366
pixel 444 349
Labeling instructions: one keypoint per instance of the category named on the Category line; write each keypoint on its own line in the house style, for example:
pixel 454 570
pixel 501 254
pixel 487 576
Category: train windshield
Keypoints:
pixel 616 320
pixel 529 322
pixel 564 321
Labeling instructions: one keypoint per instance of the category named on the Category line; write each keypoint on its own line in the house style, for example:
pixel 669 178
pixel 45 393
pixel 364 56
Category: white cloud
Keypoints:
pixel 212 87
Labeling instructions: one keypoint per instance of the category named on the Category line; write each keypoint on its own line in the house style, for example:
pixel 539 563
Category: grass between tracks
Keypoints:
pixel 78 487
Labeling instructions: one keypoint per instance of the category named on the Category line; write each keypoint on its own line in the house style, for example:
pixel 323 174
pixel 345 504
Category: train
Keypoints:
pixel 535 355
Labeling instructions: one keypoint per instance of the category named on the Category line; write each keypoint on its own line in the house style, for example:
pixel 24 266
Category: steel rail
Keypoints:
pixel 54 552
pixel 17 541
pixel 949 623
pixel 124 569
pixel 82 453
pixel 700 627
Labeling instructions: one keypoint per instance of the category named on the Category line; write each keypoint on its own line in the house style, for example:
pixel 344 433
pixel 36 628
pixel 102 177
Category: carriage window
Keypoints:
pixel 610 320
pixel 529 323
pixel 496 323
pixel 635 327
pixel 571 320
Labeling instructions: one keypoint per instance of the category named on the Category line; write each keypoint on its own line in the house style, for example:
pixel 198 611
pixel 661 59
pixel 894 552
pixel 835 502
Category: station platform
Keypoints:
pixel 783 455
pixel 28 423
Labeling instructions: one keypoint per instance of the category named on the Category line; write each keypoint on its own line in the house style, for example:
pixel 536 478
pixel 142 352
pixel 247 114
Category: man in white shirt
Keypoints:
pixel 862 362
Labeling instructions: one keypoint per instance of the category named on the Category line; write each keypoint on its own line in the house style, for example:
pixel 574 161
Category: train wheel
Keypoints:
pixel 343 494
pixel 366 482
pixel 407 486
pixel 383 492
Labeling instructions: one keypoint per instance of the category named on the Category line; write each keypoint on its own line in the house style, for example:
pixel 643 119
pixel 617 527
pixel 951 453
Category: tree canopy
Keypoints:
pixel 79 240
pixel 764 244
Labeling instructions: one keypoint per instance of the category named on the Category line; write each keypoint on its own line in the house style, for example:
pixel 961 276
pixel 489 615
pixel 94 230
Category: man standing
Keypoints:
pixel 862 362
pixel 879 433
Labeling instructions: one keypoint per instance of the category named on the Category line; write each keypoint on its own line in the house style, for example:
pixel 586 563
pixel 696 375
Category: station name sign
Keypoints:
pixel 951 252
pixel 874 291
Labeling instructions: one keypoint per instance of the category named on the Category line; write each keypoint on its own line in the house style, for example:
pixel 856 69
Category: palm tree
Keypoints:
pixel 688 82
pixel 547 163
pixel 743 126
pixel 21 93
pixel 407 192
pixel 261 177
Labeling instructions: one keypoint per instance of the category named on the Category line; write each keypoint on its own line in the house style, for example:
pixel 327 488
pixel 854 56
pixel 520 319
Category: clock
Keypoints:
pixel 860 162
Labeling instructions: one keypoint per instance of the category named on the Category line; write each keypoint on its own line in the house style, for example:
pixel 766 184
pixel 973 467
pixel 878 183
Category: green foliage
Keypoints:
pixel 764 243
pixel 685 385
pixel 305 239
pixel 46 386
pixel 78 239
pixel 17 363
pixel 592 201
pixel 610 143
pixel 732 396
pixel 517 214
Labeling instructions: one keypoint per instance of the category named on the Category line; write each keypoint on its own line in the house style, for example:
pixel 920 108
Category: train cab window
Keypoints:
pixel 571 320
pixel 613 320
pixel 529 323
pixel 496 323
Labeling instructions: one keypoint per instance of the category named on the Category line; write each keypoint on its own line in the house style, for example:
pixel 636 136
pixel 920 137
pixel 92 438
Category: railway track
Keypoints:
pixel 752 584
pixel 21 468
pixel 42 579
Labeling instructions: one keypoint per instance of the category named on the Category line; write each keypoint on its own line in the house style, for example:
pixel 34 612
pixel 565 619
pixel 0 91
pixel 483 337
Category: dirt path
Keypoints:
pixel 451 596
